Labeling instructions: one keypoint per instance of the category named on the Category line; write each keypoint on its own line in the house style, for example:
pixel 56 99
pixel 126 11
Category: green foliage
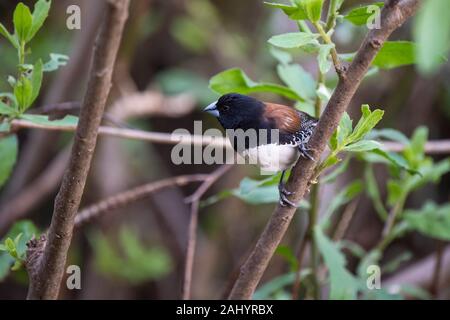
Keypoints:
pixel 68 121
pixel 27 86
pixel 132 261
pixel 432 34
pixel 8 157
pixel 343 285
pixel 235 80
pixel 432 220
pixel 176 81
pixel 293 40
pixel 13 246
pixel 360 16
pixel 22 22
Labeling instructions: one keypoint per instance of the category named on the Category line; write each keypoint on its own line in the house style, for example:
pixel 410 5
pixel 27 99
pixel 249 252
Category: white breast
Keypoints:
pixel 272 157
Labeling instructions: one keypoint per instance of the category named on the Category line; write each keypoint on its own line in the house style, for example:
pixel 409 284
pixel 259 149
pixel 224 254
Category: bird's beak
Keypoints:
pixel 212 109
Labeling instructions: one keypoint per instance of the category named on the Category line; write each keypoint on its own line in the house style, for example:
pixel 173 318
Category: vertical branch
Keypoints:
pixel 46 271
pixel 193 222
pixel 394 14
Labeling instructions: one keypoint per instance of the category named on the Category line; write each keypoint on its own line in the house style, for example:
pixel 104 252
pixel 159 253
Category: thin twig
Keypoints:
pixel 194 200
pixel 344 221
pixel 127 197
pixel 431 147
pixel 392 17
pixel 47 272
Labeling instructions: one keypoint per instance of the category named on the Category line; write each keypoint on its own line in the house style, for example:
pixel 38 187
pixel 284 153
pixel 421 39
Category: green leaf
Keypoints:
pixel 343 197
pixel 282 56
pixel 36 80
pixel 10 37
pixel 128 258
pixel 22 21
pixel 56 61
pixel 367 122
pixel 293 40
pixel 395 192
pixel 235 80
pixel 6 110
pixel 432 220
pixel 331 177
pixel 395 54
pixel 313 9
pixel 343 285
pixel 362 145
pixel 374 193
pixel 287 253
pixel 432 34
pixel 297 79
pixel 40 13
pixel 398 161
pixel 390 134
pixel 68 121
pixel 359 16
pixel 23 92
pixel 8 157
pixel 293 12
pixel 322 58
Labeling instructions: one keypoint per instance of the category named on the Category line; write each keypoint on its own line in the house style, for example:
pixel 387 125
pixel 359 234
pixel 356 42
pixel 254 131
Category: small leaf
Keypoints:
pixel 374 193
pixel 10 37
pixel 23 92
pixel 8 157
pixel 343 285
pixel 293 40
pixel 367 122
pixel 343 197
pixel 235 80
pixel 282 56
pixel 9 243
pixel 287 253
pixel 390 134
pixel 431 32
pixel 359 16
pixel 331 177
pixel 313 9
pixel 68 121
pixel 322 58
pixel 293 12
pixel 362 145
pixel 431 220
pixel 17 265
pixel 40 13
pixel 296 78
pixel 395 54
pixel 22 21
pixel 36 80
pixel 6 110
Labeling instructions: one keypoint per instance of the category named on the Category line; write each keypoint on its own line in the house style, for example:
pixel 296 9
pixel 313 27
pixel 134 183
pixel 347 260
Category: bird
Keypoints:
pixel 272 152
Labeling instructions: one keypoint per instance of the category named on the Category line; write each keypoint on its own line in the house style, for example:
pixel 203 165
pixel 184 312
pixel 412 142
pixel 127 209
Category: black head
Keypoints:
pixel 236 111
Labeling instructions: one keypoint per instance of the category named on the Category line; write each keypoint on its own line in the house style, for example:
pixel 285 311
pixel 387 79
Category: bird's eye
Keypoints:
pixel 225 108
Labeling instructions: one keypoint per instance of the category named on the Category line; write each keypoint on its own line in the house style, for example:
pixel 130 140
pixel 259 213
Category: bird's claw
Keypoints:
pixel 304 151
pixel 284 201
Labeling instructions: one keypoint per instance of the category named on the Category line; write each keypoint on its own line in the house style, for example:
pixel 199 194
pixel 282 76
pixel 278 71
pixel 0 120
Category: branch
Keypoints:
pixel 45 281
pixel 431 147
pixel 193 221
pixel 393 16
pixel 125 198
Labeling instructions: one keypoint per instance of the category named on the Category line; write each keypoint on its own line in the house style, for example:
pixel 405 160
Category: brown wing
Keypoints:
pixel 286 118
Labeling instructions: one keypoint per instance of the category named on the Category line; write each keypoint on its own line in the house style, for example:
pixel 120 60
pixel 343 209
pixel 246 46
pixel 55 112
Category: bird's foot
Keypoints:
pixel 304 151
pixel 284 201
